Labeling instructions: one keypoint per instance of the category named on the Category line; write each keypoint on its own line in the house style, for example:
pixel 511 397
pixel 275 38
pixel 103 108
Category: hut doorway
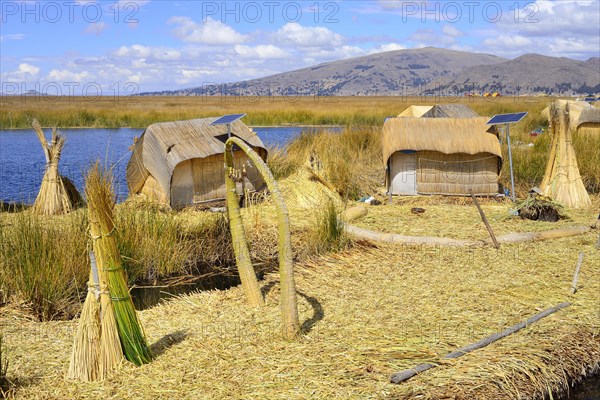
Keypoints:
pixel 404 172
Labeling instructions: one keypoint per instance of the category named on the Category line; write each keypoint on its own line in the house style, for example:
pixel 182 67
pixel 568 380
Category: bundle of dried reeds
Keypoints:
pixel 85 356
pixel 57 193
pixel 562 181
pixel 128 334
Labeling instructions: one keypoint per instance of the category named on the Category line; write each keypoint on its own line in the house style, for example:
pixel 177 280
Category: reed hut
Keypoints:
pixel 562 180
pixel 448 156
pixel 57 194
pixel 180 163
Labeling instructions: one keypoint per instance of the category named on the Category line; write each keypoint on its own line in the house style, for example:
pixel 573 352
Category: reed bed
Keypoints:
pixel 108 112
pixel 4 363
pixel 44 264
pixel 442 216
pixel 366 313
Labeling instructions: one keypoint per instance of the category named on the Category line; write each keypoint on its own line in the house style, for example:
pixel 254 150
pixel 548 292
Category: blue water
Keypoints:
pixel 22 160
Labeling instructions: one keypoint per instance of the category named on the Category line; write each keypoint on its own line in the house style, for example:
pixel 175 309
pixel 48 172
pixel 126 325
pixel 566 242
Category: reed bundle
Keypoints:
pixel 85 356
pixel 57 193
pixel 128 333
pixel 562 180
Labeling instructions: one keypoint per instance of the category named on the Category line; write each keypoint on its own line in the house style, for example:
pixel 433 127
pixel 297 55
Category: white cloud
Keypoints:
pixel 262 51
pixel 314 56
pixel 387 47
pixel 567 28
pixel 12 36
pixel 508 41
pixel 211 32
pixel 297 35
pixel 65 75
pixel 96 28
pixel 429 37
pixel 146 52
pixel 28 69
pixel 452 31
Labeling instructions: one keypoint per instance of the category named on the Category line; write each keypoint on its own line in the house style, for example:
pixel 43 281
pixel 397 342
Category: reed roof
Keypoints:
pixel 446 135
pixel 450 111
pixel 164 145
pixel 415 111
pixel 440 111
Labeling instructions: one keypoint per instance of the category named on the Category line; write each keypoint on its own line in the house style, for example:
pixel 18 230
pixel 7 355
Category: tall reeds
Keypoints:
pixel 4 382
pixel 43 262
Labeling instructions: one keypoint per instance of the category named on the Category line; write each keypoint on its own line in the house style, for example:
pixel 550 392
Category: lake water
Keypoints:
pixel 22 160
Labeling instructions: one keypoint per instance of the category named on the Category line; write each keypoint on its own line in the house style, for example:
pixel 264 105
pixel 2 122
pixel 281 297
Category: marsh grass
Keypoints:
pixel 350 160
pixel 280 164
pixel 329 235
pixel 4 382
pixel 44 265
pixel 110 112
pixel 43 262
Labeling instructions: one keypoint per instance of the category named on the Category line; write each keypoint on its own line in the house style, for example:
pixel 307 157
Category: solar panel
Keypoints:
pixel 506 118
pixel 590 99
pixel 227 119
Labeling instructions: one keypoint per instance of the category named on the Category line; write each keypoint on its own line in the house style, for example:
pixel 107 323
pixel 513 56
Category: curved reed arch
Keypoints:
pixel 289 307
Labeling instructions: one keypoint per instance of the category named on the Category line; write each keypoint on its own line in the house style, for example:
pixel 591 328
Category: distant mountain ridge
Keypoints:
pixel 426 71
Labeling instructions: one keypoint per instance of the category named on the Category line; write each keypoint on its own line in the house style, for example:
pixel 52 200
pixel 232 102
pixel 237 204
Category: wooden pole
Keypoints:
pixel 512 176
pixel 409 373
pixel 576 276
pixel 485 221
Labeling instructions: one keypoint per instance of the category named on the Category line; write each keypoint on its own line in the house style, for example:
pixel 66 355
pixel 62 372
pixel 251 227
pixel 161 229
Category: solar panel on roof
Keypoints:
pixel 227 119
pixel 506 118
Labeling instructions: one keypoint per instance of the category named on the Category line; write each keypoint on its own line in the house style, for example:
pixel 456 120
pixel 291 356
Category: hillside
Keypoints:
pixel 427 70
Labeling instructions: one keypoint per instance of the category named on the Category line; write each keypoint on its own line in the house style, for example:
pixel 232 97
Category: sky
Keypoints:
pixel 131 46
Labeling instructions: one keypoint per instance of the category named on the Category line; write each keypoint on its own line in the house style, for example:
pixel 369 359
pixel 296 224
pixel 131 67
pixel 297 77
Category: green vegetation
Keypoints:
pixel 329 234
pixel 44 260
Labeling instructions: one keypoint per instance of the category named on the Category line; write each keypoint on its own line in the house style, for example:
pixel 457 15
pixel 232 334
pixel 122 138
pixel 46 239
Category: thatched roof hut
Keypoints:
pixel 562 180
pixel 181 163
pixel 449 156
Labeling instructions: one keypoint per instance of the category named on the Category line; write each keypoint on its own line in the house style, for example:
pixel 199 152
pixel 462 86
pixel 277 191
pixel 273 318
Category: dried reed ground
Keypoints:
pixel 367 313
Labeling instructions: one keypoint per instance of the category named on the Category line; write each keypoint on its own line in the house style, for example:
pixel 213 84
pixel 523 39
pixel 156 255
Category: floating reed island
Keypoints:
pixel 340 318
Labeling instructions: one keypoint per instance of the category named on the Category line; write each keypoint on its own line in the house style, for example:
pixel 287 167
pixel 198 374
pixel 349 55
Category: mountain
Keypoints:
pixel 420 71
pixel 530 73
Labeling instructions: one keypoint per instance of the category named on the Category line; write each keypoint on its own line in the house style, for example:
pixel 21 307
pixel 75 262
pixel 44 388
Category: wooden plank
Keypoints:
pixel 485 221
pixel 576 275
pixel 409 373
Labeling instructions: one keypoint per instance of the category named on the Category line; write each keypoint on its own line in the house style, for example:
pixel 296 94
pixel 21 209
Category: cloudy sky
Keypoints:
pixel 86 47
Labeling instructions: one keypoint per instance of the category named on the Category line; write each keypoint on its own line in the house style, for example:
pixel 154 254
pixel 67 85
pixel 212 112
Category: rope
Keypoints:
pixel 126 298
pixel 96 237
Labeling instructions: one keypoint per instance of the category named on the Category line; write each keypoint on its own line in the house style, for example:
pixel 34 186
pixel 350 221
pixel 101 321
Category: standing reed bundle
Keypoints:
pixel 57 193
pixel 85 357
pixel 562 181
pixel 131 336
